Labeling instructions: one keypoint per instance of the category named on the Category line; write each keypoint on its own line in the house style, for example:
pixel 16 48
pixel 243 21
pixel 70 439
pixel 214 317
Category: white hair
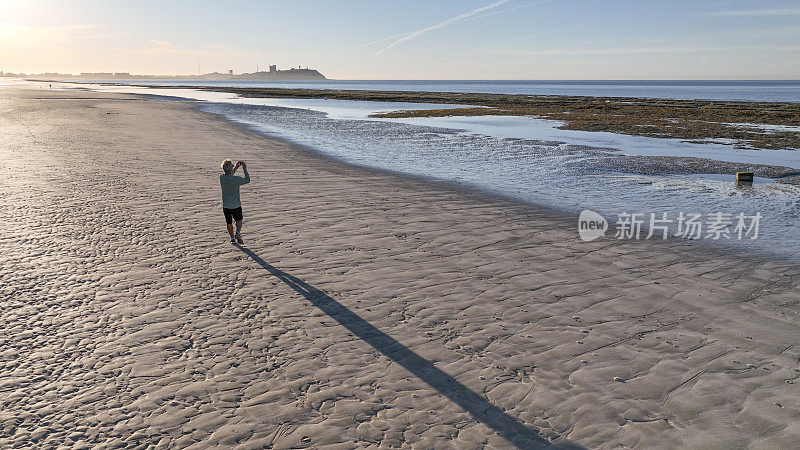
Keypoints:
pixel 227 166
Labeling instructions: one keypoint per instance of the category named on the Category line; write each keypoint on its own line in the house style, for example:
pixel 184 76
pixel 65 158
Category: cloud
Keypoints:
pixel 444 23
pixel 104 35
pixel 55 41
pixel 21 34
pixel 43 48
pixel 756 13
pixel 158 48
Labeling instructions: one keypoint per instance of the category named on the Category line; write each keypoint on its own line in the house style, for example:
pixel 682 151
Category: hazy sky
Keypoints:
pixel 410 39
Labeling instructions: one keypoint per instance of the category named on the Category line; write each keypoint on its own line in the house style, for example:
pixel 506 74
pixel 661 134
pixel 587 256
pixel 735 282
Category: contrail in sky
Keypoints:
pixel 381 40
pixel 444 23
pixel 544 33
pixel 453 22
pixel 505 10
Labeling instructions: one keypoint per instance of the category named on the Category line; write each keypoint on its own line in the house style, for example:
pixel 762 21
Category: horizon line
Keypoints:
pixel 445 79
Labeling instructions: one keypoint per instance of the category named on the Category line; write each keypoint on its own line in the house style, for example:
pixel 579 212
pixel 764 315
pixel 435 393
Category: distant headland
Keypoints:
pixel 294 73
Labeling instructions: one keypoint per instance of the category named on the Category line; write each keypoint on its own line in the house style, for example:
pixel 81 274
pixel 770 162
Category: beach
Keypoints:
pixel 510 156
pixel 365 309
pixel 739 122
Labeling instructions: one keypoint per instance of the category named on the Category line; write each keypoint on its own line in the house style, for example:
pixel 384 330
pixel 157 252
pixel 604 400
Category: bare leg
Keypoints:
pixel 230 229
pixel 238 226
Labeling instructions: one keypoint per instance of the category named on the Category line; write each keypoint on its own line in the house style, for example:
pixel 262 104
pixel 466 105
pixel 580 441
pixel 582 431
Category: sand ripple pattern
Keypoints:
pixel 129 321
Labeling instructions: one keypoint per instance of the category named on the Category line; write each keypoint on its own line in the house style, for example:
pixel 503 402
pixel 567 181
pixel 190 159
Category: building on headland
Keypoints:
pixel 295 73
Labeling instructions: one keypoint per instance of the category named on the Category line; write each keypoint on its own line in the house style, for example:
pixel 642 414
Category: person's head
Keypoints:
pixel 227 166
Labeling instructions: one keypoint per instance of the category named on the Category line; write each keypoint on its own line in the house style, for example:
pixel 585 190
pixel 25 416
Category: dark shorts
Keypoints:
pixel 232 214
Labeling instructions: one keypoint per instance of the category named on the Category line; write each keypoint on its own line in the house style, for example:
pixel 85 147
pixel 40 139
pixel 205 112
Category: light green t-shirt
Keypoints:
pixel 230 189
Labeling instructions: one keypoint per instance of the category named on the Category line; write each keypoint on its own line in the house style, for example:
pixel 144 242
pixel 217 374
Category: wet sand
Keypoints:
pixel 366 309
pixel 742 122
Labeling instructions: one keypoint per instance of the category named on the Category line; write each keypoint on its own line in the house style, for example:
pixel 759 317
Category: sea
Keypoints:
pixel 767 91
pixel 533 160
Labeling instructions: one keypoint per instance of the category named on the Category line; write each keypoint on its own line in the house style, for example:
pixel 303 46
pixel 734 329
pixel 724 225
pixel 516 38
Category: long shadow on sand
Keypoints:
pixel 508 427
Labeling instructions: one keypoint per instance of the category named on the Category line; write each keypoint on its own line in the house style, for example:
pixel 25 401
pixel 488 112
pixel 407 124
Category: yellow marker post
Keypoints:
pixel 744 178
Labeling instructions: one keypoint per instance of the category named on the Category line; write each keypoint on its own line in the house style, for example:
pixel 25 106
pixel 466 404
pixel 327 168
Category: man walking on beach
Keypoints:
pixel 231 204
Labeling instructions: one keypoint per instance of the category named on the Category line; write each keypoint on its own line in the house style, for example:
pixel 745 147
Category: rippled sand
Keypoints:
pixel 366 309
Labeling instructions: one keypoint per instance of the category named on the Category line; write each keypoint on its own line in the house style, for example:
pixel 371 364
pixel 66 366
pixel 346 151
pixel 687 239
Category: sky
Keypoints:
pixel 409 39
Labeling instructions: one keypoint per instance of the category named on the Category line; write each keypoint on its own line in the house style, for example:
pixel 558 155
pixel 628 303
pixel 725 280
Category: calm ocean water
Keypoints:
pixel 773 91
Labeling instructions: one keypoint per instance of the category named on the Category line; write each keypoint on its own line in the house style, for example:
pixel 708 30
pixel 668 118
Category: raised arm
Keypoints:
pixel 246 178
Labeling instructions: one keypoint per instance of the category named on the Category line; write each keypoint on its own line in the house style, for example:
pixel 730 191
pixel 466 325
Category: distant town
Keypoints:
pixel 295 73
